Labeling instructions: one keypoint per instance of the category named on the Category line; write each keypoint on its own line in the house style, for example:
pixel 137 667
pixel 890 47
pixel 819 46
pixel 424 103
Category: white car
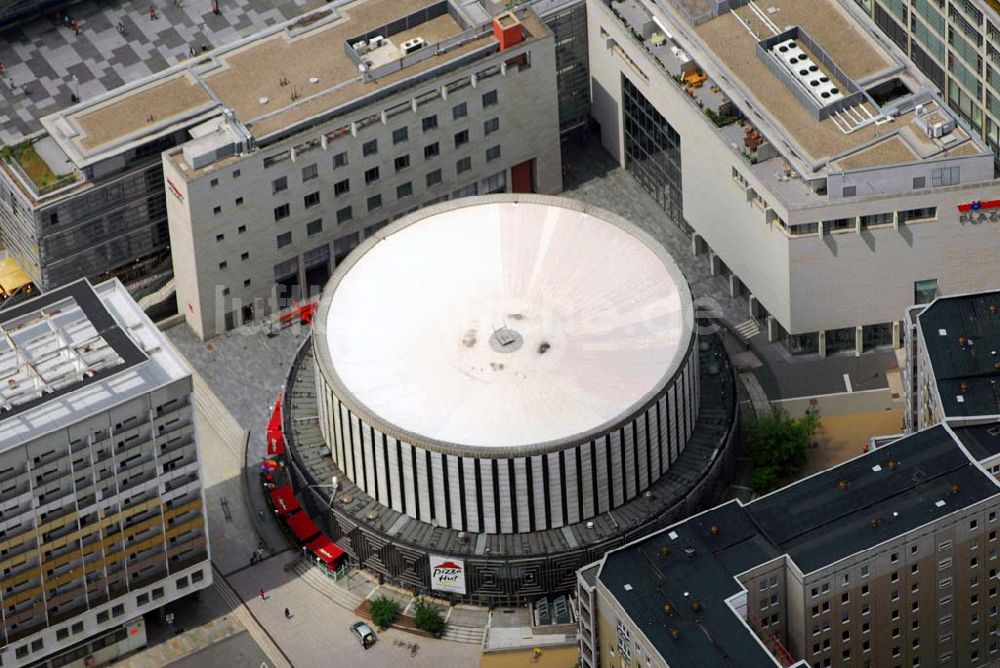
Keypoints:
pixel 364 633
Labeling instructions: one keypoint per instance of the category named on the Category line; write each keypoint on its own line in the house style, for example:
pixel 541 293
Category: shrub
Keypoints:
pixel 384 611
pixel 778 444
pixel 428 618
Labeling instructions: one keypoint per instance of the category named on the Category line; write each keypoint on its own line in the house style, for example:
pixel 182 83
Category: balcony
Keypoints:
pixel 33 169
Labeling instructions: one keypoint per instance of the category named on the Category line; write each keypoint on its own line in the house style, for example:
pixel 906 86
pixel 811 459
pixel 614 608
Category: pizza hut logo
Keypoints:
pixel 447 572
pixel 976 211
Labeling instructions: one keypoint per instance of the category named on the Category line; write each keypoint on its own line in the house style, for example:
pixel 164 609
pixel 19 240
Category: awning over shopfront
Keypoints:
pixel 283 499
pixel 326 549
pixel 302 527
pixel 275 436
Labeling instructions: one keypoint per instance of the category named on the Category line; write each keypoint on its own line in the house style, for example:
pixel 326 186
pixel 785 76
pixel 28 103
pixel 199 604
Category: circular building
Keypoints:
pixel 506 366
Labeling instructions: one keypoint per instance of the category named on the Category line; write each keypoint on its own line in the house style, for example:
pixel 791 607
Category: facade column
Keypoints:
pixel 751 303
pixel 822 342
pixel 859 342
pixel 714 263
pixel 772 329
pixel 695 244
pixel 896 343
pixel 734 285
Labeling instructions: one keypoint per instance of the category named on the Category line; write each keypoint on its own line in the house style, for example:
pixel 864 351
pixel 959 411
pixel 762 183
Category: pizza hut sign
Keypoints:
pixel 447 574
pixel 976 212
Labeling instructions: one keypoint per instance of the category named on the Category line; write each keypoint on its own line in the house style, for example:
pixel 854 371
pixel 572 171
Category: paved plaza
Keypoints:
pixel 41 57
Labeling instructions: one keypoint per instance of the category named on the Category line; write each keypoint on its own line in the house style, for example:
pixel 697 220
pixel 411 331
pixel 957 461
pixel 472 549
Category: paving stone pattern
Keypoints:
pixel 41 57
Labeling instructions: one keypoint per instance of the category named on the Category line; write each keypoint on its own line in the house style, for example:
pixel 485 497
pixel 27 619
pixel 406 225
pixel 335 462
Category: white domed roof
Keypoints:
pixel 507 323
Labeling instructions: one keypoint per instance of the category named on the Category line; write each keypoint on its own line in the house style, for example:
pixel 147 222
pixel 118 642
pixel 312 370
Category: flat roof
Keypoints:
pixel 981 440
pixel 962 338
pixel 506 321
pixel 279 77
pixel 73 352
pixel 813 522
pixel 736 68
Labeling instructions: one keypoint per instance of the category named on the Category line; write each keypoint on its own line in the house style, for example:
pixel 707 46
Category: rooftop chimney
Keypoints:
pixel 507 30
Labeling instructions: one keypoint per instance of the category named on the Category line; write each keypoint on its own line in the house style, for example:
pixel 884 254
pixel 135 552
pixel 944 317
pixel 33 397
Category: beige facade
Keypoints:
pixel 253 231
pixel 826 239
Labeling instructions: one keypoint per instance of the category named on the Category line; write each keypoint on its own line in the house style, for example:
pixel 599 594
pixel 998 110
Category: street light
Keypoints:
pixel 76 89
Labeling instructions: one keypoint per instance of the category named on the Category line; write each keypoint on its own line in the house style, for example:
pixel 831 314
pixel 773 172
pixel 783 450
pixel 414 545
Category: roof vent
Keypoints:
pixel 672 535
pixel 665 550
pixel 628 587
pixel 993 308
pixel 667 608
pixel 964 387
pixel 263 100
pixel 876 468
pixel 939 503
pixel 994 430
pixel 843 484
pixel 875 522
pixel 892 464
pixel 942 332
pixel 962 341
pixel 675 634
pixel 590 525
pixel 314 80
pixel 689 551
pixel 714 530
pixel 696 606
pixel 463 537
pixel 954 489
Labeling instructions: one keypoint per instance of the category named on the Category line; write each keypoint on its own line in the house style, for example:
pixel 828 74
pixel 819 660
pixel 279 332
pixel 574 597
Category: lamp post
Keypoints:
pixel 76 89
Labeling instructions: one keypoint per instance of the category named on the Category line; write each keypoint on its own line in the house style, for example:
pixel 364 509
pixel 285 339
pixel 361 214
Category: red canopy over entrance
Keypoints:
pixel 326 549
pixel 275 436
pixel 302 527
pixel 283 499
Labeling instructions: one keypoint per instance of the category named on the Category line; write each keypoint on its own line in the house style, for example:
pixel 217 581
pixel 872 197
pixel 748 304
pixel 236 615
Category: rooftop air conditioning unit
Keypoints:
pixel 360 48
pixel 411 45
pixel 375 42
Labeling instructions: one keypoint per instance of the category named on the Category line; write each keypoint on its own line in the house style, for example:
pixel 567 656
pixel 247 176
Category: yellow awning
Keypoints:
pixel 12 276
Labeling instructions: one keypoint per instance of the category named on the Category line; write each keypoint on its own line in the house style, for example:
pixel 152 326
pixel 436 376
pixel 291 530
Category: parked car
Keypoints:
pixel 364 633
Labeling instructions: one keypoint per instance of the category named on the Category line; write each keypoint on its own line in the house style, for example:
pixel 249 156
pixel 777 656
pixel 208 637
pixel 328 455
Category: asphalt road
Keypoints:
pixel 238 651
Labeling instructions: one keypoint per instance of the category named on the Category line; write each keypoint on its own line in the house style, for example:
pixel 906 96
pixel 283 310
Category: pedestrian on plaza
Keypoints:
pixel 121 28
pixel 260 514
pixel 263 595
pixel 3 72
pixel 152 13
pixel 75 27
pixel 253 558
pixel 191 52
pixel 215 7
pixel 288 613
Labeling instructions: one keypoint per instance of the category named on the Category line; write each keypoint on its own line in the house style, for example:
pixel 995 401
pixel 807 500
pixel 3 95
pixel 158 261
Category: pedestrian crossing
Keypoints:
pixel 748 329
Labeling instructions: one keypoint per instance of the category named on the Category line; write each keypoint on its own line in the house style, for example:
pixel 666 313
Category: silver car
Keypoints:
pixel 364 633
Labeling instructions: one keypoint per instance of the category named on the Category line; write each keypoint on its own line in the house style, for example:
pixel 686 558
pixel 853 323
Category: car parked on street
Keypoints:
pixel 364 633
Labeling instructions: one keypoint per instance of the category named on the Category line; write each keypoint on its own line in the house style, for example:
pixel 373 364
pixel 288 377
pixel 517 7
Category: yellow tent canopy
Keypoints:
pixel 12 276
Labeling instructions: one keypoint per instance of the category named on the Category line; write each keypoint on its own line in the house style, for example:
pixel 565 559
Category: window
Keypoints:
pixel 919 182
pixel 849 191
pixel 431 151
pixel 944 176
pixel 213 183
pixel 341 187
pixel 197 576
pixel 219 237
pixel 374 202
pixel 239 201
pixel 433 178
pixel 894 557
pixel 973 525
pixel 944 564
pixel 845 597
pixel 916 215
pixel 492 125
pixel 22 651
pixel 244 256
pixel 489 99
pixel 865 571
pixel 463 165
pixel 404 190
pixel 310 172
pixel 946 545
pixel 246 283
pixel 282 212
pixel 461 138
pixel 894 577
pixel 864 590
pixel 459 111
pixel 429 122
pixel 402 162
pixel 216 211
pixel 400 135
pixel 182 583
pixel 492 153
pixel 241 229
pixel 279 185
pixel 371 176
pixel 223 265
pixel 118 610
pixel 340 160
pixel 236 173
pixel 369 148
pixel 102 616
pixel 311 200
pixel 314 227
pixel 866 608
pixel 284 239
pixel 62 634
pixel 344 215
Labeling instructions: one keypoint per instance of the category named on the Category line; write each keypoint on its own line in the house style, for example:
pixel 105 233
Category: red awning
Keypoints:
pixel 275 436
pixel 283 499
pixel 302 527
pixel 326 549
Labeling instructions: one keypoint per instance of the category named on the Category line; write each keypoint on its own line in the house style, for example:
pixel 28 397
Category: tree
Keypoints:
pixel 384 611
pixel 778 444
pixel 427 617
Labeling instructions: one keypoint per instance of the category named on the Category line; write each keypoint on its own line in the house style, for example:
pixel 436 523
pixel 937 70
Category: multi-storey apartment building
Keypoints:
pixel 956 43
pixel 101 505
pixel 82 198
pixel 952 369
pixel 889 559
pixel 269 196
pixel 814 166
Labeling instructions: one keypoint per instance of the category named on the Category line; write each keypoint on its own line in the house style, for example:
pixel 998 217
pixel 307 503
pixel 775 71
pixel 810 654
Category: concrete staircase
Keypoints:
pixel 342 596
pixel 747 329
pixel 472 636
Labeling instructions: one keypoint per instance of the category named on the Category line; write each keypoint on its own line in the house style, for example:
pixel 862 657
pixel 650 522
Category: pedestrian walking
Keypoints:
pixel 3 72
pixel 260 512
pixel 288 613
pixel 263 595
pixel 215 7
pixel 152 13
pixel 121 28
pixel 75 27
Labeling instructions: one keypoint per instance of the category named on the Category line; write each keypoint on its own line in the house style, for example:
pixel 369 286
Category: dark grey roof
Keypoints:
pixel 713 635
pixel 829 523
pixel 982 441
pixel 813 521
pixel 962 336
